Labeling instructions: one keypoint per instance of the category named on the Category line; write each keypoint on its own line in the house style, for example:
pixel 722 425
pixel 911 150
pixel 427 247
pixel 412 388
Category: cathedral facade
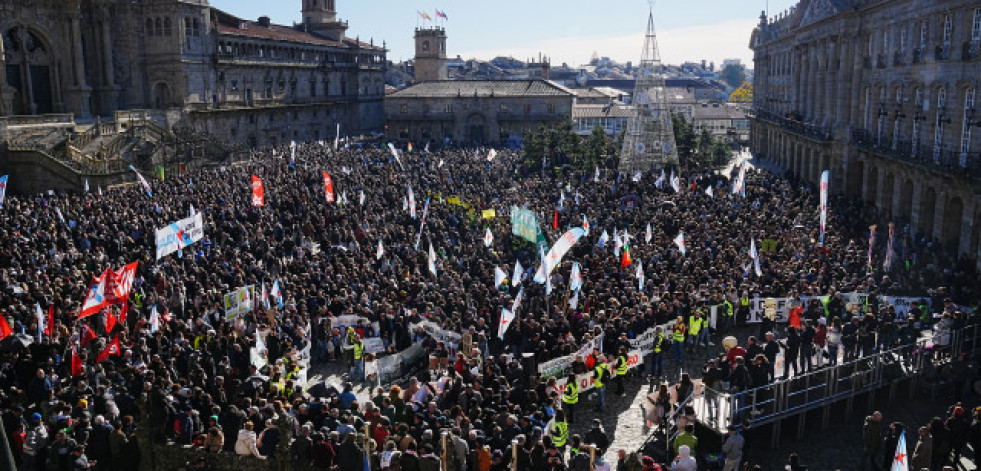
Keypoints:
pixel 244 80
pixel 884 95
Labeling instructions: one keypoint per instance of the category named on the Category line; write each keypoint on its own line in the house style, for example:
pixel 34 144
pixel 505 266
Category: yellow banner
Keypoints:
pixel 453 200
pixel 489 214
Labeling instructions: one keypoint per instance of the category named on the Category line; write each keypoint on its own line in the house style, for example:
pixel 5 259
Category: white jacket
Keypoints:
pixel 245 444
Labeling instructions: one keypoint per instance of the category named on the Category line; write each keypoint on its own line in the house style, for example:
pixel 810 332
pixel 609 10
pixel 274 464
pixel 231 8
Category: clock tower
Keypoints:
pixel 430 60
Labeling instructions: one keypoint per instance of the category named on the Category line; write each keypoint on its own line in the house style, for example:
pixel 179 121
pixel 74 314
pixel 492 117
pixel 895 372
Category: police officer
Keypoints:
pixel 600 374
pixel 357 370
pixel 560 434
pixel 570 397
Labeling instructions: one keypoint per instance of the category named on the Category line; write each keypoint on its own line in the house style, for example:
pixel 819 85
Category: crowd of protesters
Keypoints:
pixel 189 379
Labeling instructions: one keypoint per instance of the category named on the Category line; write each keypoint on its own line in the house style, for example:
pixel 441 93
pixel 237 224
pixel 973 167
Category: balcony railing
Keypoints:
pixel 800 128
pixel 967 164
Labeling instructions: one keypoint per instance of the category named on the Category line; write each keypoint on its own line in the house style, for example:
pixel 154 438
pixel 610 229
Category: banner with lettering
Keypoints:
pixel 239 301
pixel 178 235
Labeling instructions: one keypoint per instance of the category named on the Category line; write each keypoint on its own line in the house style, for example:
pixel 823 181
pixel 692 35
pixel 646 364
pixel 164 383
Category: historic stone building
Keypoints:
pixel 475 111
pixel 190 64
pixel 882 93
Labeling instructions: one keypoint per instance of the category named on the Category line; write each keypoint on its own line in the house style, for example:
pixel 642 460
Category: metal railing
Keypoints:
pixel 810 131
pixel 941 159
pixel 781 399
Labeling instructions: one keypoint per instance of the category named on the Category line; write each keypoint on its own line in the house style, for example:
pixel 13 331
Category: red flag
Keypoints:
pixel 124 311
pixel 328 188
pixel 87 336
pixel 555 219
pixel 119 283
pixel 258 192
pixel 76 364
pixel 111 349
pixel 110 321
pixel 49 326
pixel 5 329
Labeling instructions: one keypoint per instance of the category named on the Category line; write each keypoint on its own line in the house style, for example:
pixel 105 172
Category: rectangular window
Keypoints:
pixel 902 40
pixel 966 130
pixel 448 109
pixel 976 28
pixel 403 109
pixel 504 108
pixel 234 85
pixel 948 30
pixel 923 35
pixel 551 108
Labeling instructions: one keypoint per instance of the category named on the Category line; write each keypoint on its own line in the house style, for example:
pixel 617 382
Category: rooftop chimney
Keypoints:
pixel 264 21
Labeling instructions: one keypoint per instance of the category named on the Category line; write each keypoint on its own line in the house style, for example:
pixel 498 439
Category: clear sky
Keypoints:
pixel 566 30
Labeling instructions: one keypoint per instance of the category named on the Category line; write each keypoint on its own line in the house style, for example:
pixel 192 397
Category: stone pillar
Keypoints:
pixel 81 89
pixel 6 92
pixel 937 231
pixel 107 53
pixel 855 111
pixel 831 78
pixel 804 77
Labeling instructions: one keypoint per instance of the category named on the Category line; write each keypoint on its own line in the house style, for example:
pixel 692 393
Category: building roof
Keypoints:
pixel 232 25
pixel 719 111
pixel 679 95
pixel 483 88
pixel 602 111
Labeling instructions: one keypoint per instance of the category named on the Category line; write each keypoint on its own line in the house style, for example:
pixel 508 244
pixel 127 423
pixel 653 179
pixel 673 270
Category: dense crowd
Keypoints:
pixel 192 377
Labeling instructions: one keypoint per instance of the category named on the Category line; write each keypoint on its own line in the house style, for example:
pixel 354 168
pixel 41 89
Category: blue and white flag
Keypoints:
pixel 276 293
pixel 154 319
pixel 575 279
pixel 900 461
pixel 86 185
pixel 264 296
pixel 649 235
pixel 507 317
pixel 499 277
pixel 3 188
pixel 596 175
pixel 412 203
pixel 432 259
pixel 146 185
pixel 679 240
pixel 574 301
pixel 518 271
pixel 488 238
pixel 640 276
pixel 40 320
pixel 585 223
pixel 756 258
pixel 604 238
pixel 660 180
pixel 380 251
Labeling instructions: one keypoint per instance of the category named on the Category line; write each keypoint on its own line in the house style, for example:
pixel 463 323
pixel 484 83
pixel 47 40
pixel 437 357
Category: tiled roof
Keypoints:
pixel 602 111
pixel 285 33
pixel 719 111
pixel 483 88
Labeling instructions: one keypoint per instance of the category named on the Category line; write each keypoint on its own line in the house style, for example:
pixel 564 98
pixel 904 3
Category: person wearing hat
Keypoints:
pixel 35 442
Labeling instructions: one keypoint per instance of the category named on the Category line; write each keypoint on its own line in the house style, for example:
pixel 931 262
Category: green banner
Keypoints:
pixel 524 224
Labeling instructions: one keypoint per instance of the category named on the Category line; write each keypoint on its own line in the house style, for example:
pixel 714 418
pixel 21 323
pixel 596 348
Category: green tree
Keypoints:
pixel 733 75
pixel 594 149
pixel 684 138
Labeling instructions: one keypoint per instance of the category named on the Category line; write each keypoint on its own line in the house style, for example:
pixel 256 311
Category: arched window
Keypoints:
pixel 167 27
pixel 158 30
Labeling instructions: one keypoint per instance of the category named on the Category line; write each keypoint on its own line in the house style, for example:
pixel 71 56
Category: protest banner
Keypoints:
pixel 178 235
pixel 239 301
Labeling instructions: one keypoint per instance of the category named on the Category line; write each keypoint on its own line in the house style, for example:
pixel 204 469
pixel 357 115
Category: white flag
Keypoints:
pixel 100 189
pixel 491 155
pixel 649 235
pixel 636 176
pixel 507 317
pixel 518 271
pixel 380 251
pixel 192 212
pixel 517 301
pixel 596 175
pixel 405 204
pixel 499 277
pixel 61 217
pixel 361 197
pixel 617 243
pixel 432 259
pixel 660 180
pixel 574 301
pixel 488 238
pixel 86 185
pixel 676 184
pixel 440 164
pixel 679 240
pixel 344 197
pixel 40 320
pixel 708 191
pixel 640 276
pixel 604 238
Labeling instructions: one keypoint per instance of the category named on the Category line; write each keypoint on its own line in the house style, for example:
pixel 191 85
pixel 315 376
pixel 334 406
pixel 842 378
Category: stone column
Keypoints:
pixel 81 89
pixel 831 78
pixel 107 53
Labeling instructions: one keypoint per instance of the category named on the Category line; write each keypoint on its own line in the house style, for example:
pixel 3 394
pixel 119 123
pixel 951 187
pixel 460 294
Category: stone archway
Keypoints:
pixel 29 69
pixel 886 198
pixel 905 212
pixel 950 234
pixel 872 187
pixel 476 128
pixel 161 95
pixel 928 210
pixel 855 171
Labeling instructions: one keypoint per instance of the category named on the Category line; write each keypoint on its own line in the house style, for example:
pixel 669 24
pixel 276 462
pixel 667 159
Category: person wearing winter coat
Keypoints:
pixel 922 454
pixel 245 444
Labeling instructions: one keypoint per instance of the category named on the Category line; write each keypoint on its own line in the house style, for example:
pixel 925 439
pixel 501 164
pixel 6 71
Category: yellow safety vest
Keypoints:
pixel 744 301
pixel 598 382
pixel 728 312
pixel 679 333
pixel 695 325
pixel 622 365
pixel 571 394
pixel 561 434
pixel 358 351
pixel 658 342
